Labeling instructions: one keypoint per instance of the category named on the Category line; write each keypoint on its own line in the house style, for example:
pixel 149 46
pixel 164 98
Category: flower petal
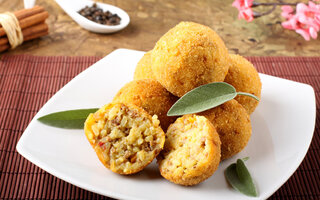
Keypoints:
pixel 304 34
pixel 287 25
pixel 311 4
pixel 247 14
pixel 236 4
pixel 313 33
pixel 287 9
pixel 301 8
pixel 248 3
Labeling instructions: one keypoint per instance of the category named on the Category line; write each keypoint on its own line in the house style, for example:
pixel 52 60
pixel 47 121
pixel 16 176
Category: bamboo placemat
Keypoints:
pixel 27 82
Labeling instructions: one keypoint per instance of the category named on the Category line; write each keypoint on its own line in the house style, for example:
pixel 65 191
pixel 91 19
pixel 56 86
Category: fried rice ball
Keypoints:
pixel 143 68
pixel 233 125
pixel 187 56
pixel 191 152
pixel 150 95
pixel 245 78
pixel 125 137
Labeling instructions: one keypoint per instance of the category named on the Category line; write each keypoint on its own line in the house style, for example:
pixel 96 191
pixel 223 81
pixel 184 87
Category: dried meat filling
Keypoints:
pixel 125 137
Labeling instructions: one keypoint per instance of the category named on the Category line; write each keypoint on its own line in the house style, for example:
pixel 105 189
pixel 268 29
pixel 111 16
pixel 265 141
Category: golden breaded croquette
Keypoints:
pixel 187 56
pixel 233 125
pixel 125 137
pixel 143 69
pixel 191 152
pixel 150 95
pixel 245 78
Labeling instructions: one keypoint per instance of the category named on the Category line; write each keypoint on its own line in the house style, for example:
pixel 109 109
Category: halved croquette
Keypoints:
pixel 191 152
pixel 125 137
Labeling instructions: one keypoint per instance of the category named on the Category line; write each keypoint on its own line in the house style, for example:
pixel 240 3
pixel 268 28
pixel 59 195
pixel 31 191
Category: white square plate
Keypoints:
pixel 282 129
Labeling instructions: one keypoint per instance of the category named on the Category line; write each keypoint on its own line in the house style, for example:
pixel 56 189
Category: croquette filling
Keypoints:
pixel 126 139
pixel 186 147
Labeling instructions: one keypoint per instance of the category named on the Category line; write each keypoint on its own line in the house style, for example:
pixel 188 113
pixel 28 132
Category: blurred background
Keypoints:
pixel 150 19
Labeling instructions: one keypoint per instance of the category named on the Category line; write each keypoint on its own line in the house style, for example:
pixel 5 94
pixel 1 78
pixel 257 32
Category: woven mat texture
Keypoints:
pixel 27 82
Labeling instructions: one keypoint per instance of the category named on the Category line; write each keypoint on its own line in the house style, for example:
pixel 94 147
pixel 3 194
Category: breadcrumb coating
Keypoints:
pixel 143 69
pixel 245 78
pixel 187 56
pixel 233 125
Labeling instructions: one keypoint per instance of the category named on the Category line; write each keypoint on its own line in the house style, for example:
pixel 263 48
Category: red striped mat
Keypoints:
pixel 27 82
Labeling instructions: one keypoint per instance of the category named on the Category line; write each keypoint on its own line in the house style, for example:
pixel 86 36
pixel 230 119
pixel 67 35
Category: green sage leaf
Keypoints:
pixel 240 179
pixel 70 119
pixel 203 98
pixel 249 95
pixel 245 177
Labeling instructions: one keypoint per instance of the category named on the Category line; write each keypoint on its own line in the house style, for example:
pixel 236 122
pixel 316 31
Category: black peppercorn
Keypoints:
pixel 96 14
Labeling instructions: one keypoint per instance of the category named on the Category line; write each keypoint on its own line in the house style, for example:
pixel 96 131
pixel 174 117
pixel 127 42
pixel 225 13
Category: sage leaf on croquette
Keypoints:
pixel 203 98
pixel 249 95
pixel 240 179
pixel 70 119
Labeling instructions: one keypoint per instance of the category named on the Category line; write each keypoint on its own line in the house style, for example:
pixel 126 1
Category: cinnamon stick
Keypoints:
pixel 36 35
pixel 29 21
pixel 4 47
pixel 32 24
pixel 21 14
pixel 27 32
pixel 27 38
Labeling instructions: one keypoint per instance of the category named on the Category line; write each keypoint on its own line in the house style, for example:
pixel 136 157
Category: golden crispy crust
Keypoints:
pixel 187 56
pixel 232 123
pixel 245 78
pixel 125 137
pixel 150 95
pixel 143 69
pixel 192 151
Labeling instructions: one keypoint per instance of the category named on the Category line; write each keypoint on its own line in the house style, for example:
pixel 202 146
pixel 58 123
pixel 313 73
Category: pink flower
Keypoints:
pixel 246 14
pixel 309 15
pixel 244 7
pixel 242 3
pixel 305 22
